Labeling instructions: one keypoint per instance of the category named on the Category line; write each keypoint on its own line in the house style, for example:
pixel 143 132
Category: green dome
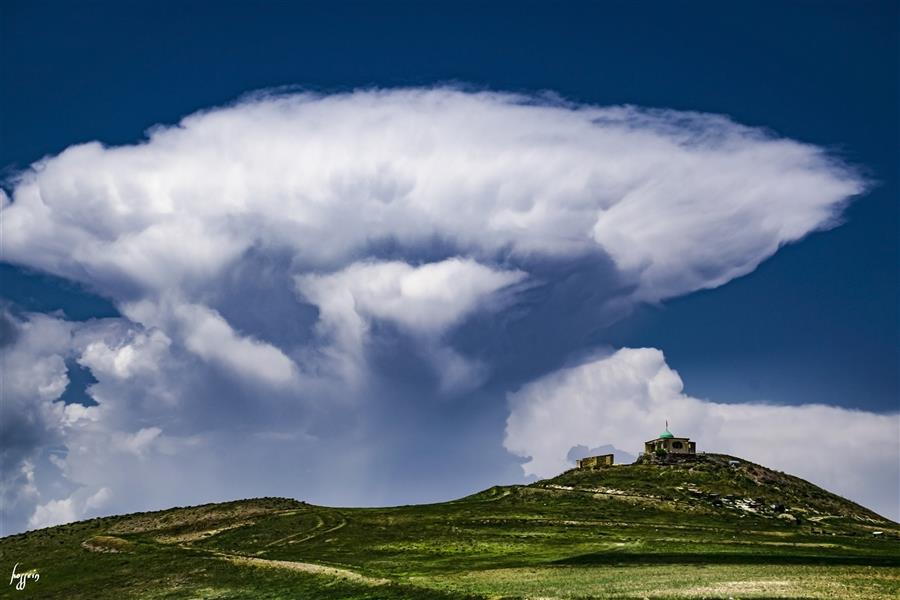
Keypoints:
pixel 666 434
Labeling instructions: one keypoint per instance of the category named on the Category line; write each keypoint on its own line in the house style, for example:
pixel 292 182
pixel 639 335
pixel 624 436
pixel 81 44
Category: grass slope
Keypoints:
pixel 697 529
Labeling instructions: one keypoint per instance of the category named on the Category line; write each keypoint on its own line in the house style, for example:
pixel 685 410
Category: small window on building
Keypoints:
pixel 677 445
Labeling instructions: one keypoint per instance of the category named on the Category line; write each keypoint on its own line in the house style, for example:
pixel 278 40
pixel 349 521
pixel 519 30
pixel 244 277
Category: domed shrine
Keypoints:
pixel 670 444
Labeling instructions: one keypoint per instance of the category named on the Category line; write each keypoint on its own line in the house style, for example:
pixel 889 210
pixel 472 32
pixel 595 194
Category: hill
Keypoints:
pixel 710 527
pixel 718 484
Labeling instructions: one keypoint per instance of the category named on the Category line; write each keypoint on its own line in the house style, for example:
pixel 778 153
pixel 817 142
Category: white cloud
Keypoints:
pixel 33 376
pixel 207 334
pixel 97 500
pixel 74 447
pixel 38 367
pixel 66 510
pixel 210 336
pixel 625 398
pixel 425 300
pixel 680 201
pixel 18 493
pixel 147 441
pixel 54 512
pixel 137 443
pixel 317 186
pixel 143 352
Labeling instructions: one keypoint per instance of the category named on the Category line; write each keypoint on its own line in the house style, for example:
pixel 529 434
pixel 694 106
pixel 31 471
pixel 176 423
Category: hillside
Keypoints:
pixel 686 529
pixel 718 484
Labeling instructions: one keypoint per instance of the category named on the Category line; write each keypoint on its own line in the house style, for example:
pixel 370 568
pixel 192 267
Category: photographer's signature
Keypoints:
pixel 22 578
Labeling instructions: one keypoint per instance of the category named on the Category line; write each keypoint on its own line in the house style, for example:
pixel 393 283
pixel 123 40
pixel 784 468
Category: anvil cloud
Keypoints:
pixel 262 254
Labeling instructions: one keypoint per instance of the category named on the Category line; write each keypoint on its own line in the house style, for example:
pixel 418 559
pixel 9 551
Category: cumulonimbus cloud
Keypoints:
pixel 323 215
pixel 680 201
pixel 624 399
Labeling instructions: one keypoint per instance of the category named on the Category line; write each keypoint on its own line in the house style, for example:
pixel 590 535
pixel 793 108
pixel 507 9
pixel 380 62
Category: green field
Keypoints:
pixel 693 530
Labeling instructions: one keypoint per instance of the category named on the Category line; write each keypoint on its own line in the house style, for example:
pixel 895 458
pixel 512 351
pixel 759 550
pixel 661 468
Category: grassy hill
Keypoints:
pixel 701 528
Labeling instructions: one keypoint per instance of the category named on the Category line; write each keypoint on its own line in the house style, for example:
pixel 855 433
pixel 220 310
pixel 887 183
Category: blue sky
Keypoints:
pixel 814 323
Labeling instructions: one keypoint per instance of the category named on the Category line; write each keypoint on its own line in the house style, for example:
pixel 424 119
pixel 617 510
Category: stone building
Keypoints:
pixel 590 462
pixel 671 444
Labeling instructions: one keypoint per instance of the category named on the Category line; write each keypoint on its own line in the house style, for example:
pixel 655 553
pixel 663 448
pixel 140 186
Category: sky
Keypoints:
pixel 363 254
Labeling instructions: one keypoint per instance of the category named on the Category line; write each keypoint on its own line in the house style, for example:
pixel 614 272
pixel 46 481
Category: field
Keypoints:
pixel 642 531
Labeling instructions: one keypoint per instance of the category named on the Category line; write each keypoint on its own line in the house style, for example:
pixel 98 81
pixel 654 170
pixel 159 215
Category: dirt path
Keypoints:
pixel 311 533
pixel 303 567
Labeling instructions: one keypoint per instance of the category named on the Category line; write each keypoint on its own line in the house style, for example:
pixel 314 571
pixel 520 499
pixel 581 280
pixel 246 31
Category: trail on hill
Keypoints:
pixel 311 533
pixel 302 566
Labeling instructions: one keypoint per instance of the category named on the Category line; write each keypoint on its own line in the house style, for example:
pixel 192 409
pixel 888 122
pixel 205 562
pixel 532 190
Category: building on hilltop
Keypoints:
pixel 670 444
pixel 590 462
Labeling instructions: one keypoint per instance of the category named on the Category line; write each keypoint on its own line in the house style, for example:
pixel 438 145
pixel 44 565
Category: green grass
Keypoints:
pixel 676 581
pixel 656 531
